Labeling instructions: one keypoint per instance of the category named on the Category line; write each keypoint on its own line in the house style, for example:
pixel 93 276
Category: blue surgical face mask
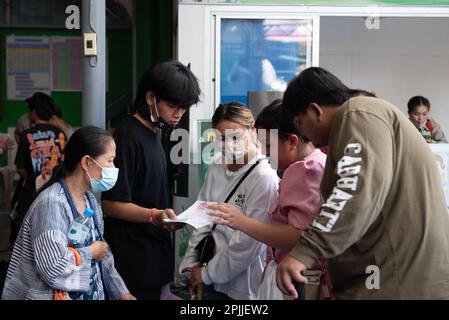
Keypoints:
pixel 108 179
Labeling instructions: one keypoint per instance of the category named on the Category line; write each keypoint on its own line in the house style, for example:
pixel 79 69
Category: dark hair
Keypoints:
pixel 234 112
pixel 315 85
pixel 272 117
pixel 42 104
pixel 89 141
pixel 418 101
pixel 170 81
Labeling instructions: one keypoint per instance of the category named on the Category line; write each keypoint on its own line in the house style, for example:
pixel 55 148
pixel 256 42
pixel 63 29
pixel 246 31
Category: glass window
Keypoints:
pixel 262 55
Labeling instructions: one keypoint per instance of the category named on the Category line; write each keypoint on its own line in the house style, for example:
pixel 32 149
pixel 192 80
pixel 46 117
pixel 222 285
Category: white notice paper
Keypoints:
pixel 196 215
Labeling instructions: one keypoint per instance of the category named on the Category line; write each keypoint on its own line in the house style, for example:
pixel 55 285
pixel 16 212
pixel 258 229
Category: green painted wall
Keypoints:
pixel 120 75
pixel 154 33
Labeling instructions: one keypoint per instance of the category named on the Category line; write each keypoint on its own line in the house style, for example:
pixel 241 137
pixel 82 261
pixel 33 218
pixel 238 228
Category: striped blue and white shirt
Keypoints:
pixel 41 262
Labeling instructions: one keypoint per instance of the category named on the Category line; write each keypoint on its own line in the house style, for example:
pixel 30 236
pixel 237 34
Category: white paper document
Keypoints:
pixel 196 215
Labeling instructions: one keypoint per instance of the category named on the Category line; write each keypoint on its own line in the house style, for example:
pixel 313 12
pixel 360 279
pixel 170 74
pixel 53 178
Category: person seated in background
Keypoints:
pixel 6 144
pixel 23 123
pixel 418 111
pixel 58 121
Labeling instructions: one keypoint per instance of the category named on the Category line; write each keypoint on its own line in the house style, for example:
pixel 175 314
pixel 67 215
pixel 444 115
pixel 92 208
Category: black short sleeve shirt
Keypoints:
pixel 143 252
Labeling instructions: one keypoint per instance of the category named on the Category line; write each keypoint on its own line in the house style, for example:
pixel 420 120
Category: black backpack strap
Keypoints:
pixel 238 184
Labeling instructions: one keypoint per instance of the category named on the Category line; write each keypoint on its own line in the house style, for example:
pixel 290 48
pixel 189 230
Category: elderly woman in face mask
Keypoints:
pixel 46 263
pixel 245 178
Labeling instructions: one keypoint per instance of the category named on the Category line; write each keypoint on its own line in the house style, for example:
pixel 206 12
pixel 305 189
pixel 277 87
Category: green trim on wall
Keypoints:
pixel 120 52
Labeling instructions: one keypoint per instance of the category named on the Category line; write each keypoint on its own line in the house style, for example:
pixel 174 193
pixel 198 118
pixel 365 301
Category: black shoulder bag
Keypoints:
pixel 206 247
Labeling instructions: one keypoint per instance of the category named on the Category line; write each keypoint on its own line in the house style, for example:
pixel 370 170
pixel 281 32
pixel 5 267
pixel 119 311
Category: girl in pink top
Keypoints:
pixel 299 195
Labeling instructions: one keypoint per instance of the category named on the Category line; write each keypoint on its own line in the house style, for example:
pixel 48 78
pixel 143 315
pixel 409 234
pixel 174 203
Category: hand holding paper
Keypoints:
pixel 196 216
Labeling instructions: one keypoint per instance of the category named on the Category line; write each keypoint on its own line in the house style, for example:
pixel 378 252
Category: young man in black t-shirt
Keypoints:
pixel 142 250
pixel 40 149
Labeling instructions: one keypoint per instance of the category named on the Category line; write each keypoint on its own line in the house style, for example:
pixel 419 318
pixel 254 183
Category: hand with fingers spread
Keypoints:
pixel 289 270
pixel 230 216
